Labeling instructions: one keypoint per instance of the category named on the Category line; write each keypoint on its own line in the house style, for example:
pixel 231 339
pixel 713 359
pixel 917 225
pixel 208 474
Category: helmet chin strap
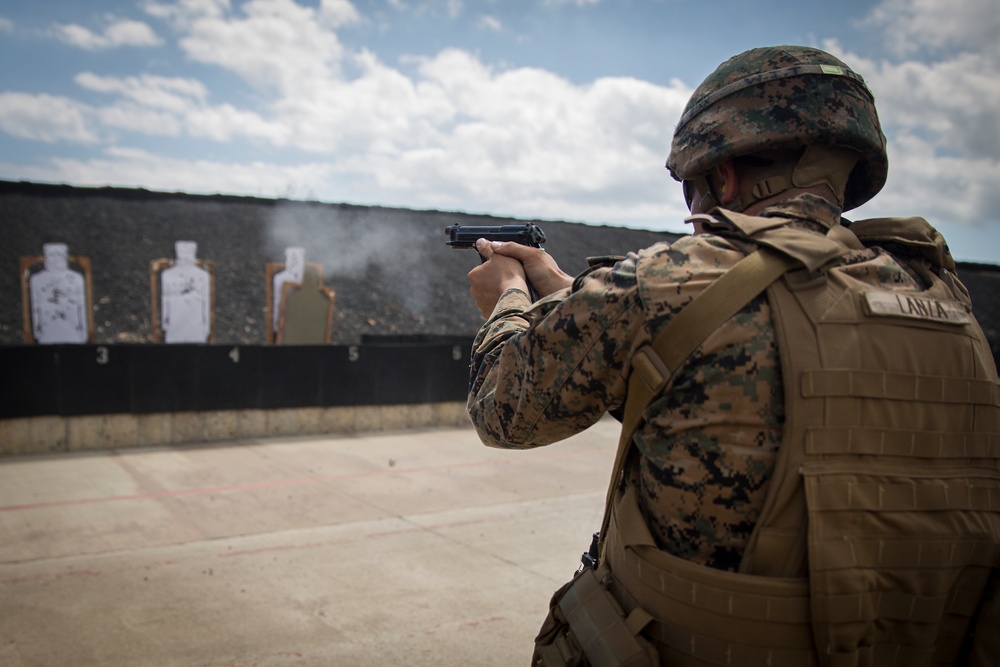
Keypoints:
pixel 708 200
pixel 762 190
pixel 819 165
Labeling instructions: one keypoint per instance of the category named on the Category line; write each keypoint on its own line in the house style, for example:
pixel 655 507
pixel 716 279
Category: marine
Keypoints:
pixel 810 446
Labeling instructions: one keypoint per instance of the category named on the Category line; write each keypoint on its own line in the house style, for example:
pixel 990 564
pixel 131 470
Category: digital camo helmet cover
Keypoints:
pixel 781 97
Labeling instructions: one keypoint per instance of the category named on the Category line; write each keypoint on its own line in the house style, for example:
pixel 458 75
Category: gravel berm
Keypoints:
pixel 391 271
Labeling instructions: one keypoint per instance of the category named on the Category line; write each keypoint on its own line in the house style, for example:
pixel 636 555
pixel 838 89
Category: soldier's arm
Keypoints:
pixel 545 372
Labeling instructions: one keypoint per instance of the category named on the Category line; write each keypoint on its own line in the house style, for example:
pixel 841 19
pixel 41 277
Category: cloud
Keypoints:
pixel 170 93
pixel 534 143
pixel 118 33
pixel 944 85
pixel 137 168
pixel 183 13
pixel 937 93
pixel 942 188
pixel 338 13
pixel 951 102
pixel 276 44
pixel 175 106
pixel 956 195
pixel 489 23
pixel 46 118
pixel 911 26
pixel 226 123
pixel 143 120
pixel 6 25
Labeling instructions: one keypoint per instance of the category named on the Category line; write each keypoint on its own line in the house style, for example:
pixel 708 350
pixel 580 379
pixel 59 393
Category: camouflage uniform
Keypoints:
pixel 714 454
pixel 545 372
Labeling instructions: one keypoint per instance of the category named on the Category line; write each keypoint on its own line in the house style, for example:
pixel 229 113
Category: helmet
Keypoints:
pixel 782 97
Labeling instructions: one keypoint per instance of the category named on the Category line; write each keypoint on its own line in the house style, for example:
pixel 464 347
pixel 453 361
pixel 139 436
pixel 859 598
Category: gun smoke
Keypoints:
pixel 367 250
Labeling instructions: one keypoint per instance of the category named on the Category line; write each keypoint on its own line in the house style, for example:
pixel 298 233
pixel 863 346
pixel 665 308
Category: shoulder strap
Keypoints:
pixel 654 364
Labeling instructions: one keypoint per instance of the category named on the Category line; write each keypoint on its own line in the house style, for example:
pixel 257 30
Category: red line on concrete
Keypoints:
pixel 315 479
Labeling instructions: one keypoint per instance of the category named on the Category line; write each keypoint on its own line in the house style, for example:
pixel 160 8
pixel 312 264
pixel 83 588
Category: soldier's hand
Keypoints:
pixel 493 277
pixel 540 269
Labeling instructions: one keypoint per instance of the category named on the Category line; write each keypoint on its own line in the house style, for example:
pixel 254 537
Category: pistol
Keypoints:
pixel 528 234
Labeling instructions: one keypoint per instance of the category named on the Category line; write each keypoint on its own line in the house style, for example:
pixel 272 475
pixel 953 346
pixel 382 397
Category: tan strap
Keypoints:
pixel 653 365
pixel 887 442
pixel 832 489
pixel 899 386
pixel 717 303
pixel 897 554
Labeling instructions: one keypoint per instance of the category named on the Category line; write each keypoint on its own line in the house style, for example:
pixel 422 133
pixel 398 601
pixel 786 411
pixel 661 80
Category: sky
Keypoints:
pixel 534 109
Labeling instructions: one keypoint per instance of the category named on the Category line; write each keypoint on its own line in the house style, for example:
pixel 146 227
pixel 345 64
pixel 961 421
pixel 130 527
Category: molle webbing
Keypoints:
pixel 898 386
pixel 705 616
pixel 918 444
pixel 898 480
pixel 889 570
pixel 886 491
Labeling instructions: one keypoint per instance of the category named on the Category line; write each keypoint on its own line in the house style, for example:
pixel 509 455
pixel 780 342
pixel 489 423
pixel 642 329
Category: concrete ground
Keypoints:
pixel 407 548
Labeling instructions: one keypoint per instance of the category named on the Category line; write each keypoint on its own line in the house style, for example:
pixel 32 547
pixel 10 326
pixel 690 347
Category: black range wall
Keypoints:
pixel 74 380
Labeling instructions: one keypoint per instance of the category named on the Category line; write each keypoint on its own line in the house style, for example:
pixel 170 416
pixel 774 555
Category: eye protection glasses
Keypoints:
pixel 688 187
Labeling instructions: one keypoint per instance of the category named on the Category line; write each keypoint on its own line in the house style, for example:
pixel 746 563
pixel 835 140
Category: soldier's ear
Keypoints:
pixel 728 180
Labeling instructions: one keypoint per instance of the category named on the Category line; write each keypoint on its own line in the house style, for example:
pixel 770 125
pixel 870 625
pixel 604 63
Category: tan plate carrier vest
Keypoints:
pixel 879 540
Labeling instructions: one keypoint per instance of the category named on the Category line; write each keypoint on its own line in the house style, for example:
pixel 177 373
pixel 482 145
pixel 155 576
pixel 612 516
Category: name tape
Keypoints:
pixel 914 307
